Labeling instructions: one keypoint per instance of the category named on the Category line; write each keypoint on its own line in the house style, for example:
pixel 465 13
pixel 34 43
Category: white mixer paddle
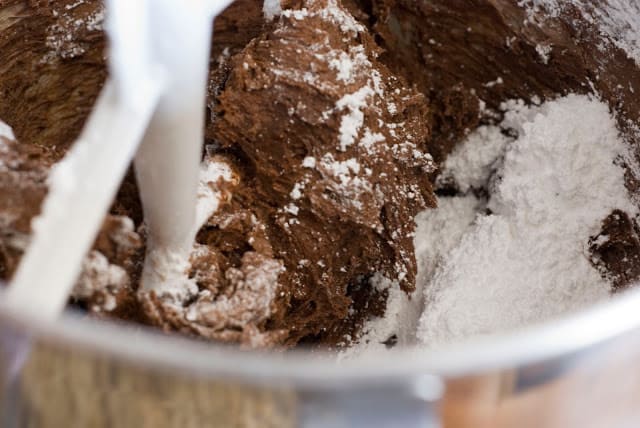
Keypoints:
pixel 83 184
pixel 167 164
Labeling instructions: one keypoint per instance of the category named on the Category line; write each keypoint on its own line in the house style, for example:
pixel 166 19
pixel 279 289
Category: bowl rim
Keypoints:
pixel 149 348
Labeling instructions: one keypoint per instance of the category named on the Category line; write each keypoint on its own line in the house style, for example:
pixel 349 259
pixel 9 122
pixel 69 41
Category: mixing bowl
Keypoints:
pixel 579 371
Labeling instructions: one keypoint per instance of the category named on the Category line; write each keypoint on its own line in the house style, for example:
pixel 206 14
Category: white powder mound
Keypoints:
pixel 528 261
pixel 472 162
pixel 440 230
pixel 437 232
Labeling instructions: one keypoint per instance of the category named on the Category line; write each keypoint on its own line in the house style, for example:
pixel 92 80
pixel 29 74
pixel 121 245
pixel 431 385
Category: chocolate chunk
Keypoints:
pixel 615 251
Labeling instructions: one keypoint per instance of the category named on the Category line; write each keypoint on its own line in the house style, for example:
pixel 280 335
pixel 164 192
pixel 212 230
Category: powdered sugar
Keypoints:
pixel 438 231
pixel 344 179
pixel 617 20
pixel 379 333
pixel 271 9
pixel 472 162
pixel 528 261
pixel 298 14
pixel 352 65
pixel 6 131
pixel 331 12
pixel 123 236
pixel 296 192
pixel 352 121
pixel 349 64
pixel 545 52
pixel 309 162
pixel 255 284
pixel 337 15
pixel 100 277
pixel 369 139
pixel 211 172
pixel 350 61
pixel 63 36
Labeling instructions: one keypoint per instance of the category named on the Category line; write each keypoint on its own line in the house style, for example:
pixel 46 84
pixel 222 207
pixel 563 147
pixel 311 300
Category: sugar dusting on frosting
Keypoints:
pixel 271 9
pixel 63 36
pixel 362 106
pixel 100 277
pixel 6 131
pixel 350 65
pixel 344 178
pixel 254 285
pixel 353 104
pixel 618 21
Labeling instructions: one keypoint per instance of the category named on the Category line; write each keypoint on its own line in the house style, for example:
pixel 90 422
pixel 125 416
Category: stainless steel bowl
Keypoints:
pixel 579 371
pixel 582 370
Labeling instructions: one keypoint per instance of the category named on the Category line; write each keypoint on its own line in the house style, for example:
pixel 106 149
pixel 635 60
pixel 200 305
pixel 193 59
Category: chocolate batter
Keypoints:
pixel 334 120
pixel 332 151
pixel 23 171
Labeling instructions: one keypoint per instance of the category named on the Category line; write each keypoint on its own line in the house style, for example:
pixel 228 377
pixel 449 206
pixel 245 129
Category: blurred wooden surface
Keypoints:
pixel 71 389
pixel 596 390
pixel 65 389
